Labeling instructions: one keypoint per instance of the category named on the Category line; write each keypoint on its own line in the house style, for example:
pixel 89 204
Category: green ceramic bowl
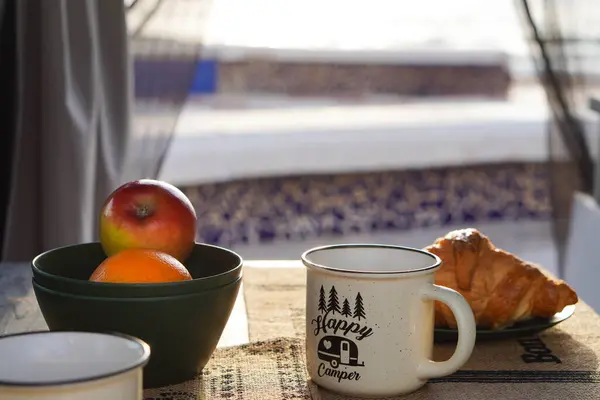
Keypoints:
pixel 67 270
pixel 182 331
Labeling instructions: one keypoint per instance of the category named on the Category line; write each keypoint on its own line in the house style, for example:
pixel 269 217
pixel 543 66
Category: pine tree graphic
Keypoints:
pixel 346 311
pixel 322 304
pixel 359 310
pixel 333 305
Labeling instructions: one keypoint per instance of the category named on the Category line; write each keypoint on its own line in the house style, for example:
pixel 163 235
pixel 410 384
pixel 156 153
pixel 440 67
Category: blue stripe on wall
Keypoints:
pixel 205 80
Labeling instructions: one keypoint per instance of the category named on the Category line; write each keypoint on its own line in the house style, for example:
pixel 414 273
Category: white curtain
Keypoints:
pixel 72 133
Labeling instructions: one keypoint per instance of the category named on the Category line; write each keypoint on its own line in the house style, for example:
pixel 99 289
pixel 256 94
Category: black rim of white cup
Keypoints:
pixel 142 361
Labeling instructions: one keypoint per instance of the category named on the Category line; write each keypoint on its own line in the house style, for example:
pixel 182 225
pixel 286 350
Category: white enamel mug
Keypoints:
pixel 370 319
pixel 71 365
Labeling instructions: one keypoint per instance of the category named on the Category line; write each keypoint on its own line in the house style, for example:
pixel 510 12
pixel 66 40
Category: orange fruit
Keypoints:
pixel 140 266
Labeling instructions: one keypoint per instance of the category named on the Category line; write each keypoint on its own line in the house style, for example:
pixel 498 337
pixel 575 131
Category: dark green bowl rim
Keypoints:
pixel 144 358
pixel 39 271
pixel 130 299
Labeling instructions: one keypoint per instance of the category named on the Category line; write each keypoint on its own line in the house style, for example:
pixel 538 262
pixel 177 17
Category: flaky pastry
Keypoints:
pixel 500 288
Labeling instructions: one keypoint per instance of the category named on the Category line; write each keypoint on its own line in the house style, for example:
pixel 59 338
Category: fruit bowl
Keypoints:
pixel 182 331
pixel 67 270
pixel 182 322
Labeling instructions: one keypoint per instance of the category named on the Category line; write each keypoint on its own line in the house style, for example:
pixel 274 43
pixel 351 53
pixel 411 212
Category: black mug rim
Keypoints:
pixel 436 261
pixel 140 363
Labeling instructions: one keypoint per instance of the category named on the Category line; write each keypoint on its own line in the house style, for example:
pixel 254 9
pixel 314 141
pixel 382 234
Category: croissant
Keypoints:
pixel 500 288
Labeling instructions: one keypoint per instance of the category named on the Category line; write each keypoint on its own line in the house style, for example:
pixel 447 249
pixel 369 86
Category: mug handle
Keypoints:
pixel 466 333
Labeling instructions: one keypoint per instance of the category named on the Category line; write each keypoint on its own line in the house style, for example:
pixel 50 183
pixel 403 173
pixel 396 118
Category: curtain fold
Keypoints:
pixel 72 121
pixel 90 104
pixel 565 46
pixel 7 101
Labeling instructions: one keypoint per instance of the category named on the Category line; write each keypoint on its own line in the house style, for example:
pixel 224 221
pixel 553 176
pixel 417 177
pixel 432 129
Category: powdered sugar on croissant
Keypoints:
pixel 501 288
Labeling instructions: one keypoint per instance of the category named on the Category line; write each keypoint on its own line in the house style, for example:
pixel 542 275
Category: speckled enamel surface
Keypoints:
pixel 369 335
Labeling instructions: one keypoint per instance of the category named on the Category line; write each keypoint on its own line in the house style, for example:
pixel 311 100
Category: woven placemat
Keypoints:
pixel 275 370
pixel 560 361
pixel 275 300
pixel 257 371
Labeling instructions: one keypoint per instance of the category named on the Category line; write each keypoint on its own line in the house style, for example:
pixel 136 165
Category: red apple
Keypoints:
pixel 148 214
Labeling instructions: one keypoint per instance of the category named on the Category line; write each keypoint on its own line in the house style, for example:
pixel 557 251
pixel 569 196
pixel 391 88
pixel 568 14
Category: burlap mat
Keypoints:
pixel 275 300
pixel 275 370
pixel 559 362
pixel 264 370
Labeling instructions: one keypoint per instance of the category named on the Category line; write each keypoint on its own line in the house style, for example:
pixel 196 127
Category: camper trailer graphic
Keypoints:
pixel 338 351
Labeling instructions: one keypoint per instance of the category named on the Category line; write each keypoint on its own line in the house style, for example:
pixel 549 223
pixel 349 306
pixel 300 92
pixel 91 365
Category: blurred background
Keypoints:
pixel 295 124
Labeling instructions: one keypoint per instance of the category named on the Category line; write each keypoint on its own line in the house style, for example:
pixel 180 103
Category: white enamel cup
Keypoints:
pixel 71 365
pixel 370 319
